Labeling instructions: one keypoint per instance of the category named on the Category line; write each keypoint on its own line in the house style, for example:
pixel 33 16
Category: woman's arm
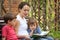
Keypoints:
pixel 16 26
pixel 22 36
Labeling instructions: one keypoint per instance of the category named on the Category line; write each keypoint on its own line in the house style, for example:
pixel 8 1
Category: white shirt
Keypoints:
pixel 22 30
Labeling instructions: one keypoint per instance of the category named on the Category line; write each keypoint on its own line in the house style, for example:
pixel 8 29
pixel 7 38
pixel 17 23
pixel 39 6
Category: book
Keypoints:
pixel 42 34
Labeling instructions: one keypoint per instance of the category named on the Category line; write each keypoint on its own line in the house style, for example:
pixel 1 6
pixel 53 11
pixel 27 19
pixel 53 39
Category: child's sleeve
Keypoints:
pixel 28 31
pixel 4 32
pixel 39 30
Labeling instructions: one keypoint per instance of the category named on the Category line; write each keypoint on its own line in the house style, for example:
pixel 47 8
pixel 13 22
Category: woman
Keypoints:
pixel 23 12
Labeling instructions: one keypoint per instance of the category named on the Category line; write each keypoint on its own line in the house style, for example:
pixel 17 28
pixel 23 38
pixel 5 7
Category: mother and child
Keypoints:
pixel 18 28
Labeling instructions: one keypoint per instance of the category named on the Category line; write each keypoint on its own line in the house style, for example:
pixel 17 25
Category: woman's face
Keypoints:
pixel 24 11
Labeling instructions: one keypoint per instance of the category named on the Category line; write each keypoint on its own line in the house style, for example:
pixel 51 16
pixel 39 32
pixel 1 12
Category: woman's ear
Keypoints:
pixel 19 10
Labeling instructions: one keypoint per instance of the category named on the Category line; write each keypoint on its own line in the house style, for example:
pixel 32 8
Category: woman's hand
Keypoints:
pixel 27 38
pixel 23 36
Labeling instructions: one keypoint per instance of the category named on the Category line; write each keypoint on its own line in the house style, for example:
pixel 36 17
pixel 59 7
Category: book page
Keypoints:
pixel 42 33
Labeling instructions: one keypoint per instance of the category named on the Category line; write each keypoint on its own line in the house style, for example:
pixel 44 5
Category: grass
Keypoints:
pixel 55 34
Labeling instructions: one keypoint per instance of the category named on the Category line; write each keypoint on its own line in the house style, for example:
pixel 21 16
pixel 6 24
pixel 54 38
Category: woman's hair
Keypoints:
pixel 32 21
pixel 22 4
pixel 9 16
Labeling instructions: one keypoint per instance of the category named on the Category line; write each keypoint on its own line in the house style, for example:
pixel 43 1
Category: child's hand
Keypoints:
pixel 31 33
pixel 32 29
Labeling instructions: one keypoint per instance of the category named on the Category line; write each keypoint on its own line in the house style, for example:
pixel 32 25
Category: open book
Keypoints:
pixel 42 34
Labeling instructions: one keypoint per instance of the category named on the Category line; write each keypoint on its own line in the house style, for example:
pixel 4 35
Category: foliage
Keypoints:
pixel 55 34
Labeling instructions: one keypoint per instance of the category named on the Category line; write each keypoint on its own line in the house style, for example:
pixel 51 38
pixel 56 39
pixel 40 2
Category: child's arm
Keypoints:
pixel 31 33
pixel 39 30
pixel 4 33
pixel 3 38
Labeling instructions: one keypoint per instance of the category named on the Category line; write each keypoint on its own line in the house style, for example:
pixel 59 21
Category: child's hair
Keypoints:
pixel 32 21
pixel 22 4
pixel 9 16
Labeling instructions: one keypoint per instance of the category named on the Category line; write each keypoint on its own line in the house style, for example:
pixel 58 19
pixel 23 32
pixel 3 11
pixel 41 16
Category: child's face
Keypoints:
pixel 13 22
pixel 33 26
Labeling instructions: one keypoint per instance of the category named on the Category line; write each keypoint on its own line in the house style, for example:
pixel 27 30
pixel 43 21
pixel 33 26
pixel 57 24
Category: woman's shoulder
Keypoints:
pixel 17 15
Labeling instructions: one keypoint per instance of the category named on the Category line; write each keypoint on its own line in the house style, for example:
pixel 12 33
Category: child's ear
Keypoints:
pixel 8 21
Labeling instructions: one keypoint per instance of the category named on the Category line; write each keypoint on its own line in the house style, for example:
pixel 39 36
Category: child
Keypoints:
pixel 34 29
pixel 8 32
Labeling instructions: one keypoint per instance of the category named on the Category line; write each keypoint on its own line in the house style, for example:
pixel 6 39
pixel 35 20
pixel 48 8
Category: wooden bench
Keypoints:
pixel 2 23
